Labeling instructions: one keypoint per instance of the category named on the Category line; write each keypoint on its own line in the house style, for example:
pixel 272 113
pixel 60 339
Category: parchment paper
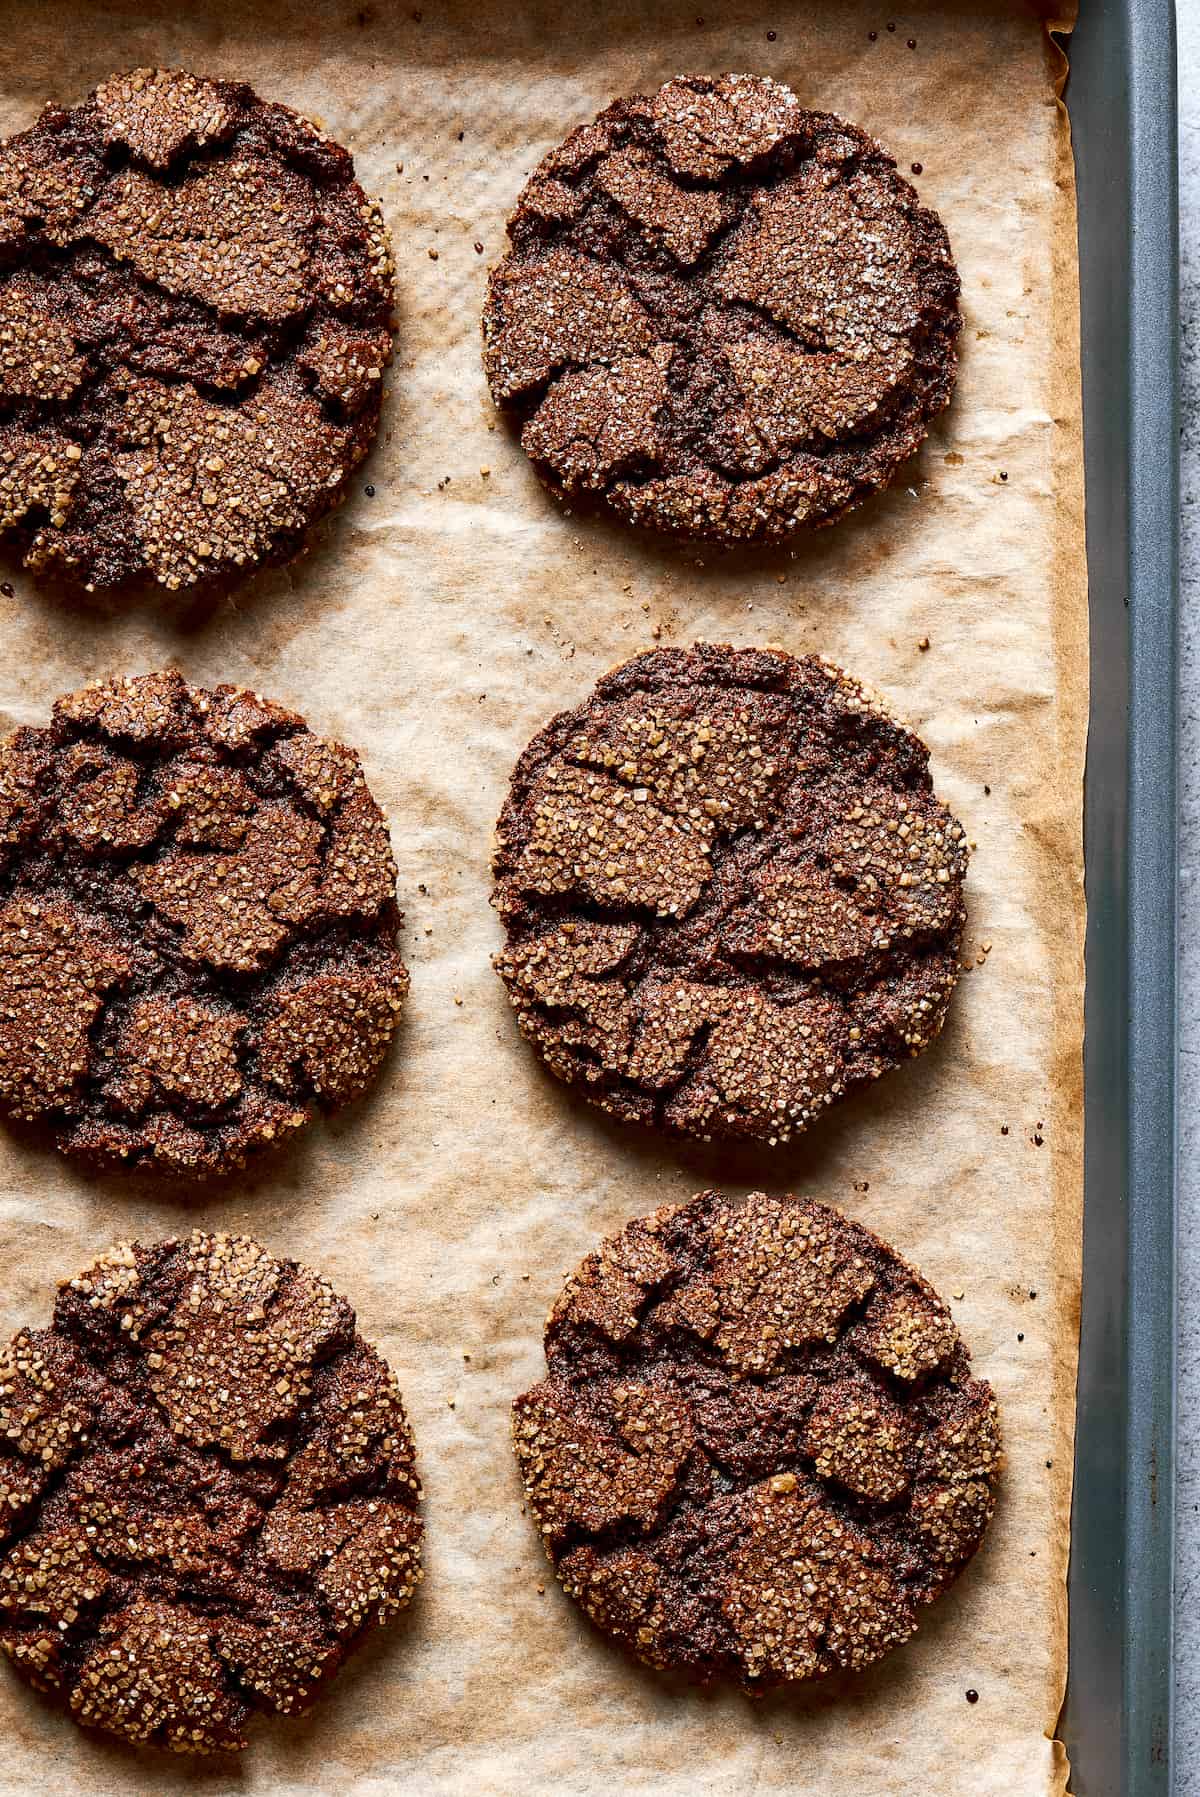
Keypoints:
pixel 437 624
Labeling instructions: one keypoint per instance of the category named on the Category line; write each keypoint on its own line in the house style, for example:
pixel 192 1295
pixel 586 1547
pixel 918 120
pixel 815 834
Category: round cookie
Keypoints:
pixel 195 314
pixel 208 1492
pixel 721 316
pixel 198 926
pixel 730 893
pixel 758 1452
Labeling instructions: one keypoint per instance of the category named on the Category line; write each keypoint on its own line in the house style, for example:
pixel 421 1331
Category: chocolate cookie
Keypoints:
pixel 207 1492
pixel 758 1452
pixel 198 926
pixel 721 315
pixel 729 891
pixel 195 315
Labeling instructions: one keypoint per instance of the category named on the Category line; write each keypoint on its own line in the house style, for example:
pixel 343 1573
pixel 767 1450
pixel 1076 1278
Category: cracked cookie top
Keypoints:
pixel 207 1492
pixel 198 926
pixel 730 893
pixel 195 316
pixel 758 1451
pixel 721 316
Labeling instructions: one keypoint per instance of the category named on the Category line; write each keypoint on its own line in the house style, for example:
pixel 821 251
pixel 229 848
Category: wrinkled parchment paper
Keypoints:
pixel 438 623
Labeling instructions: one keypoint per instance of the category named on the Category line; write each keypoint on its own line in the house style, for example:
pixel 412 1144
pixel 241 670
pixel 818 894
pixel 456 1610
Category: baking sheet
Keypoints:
pixel 1117 1721
pixel 437 624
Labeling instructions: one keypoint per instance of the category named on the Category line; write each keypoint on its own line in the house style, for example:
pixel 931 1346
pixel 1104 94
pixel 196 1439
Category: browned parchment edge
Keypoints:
pixel 1071 650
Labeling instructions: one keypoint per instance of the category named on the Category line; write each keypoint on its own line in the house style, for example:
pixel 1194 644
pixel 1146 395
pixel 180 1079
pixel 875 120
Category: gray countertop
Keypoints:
pixel 1188 1558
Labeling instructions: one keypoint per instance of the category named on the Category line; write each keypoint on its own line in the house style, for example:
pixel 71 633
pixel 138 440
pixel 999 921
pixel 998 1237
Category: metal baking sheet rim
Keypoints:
pixel 1121 95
